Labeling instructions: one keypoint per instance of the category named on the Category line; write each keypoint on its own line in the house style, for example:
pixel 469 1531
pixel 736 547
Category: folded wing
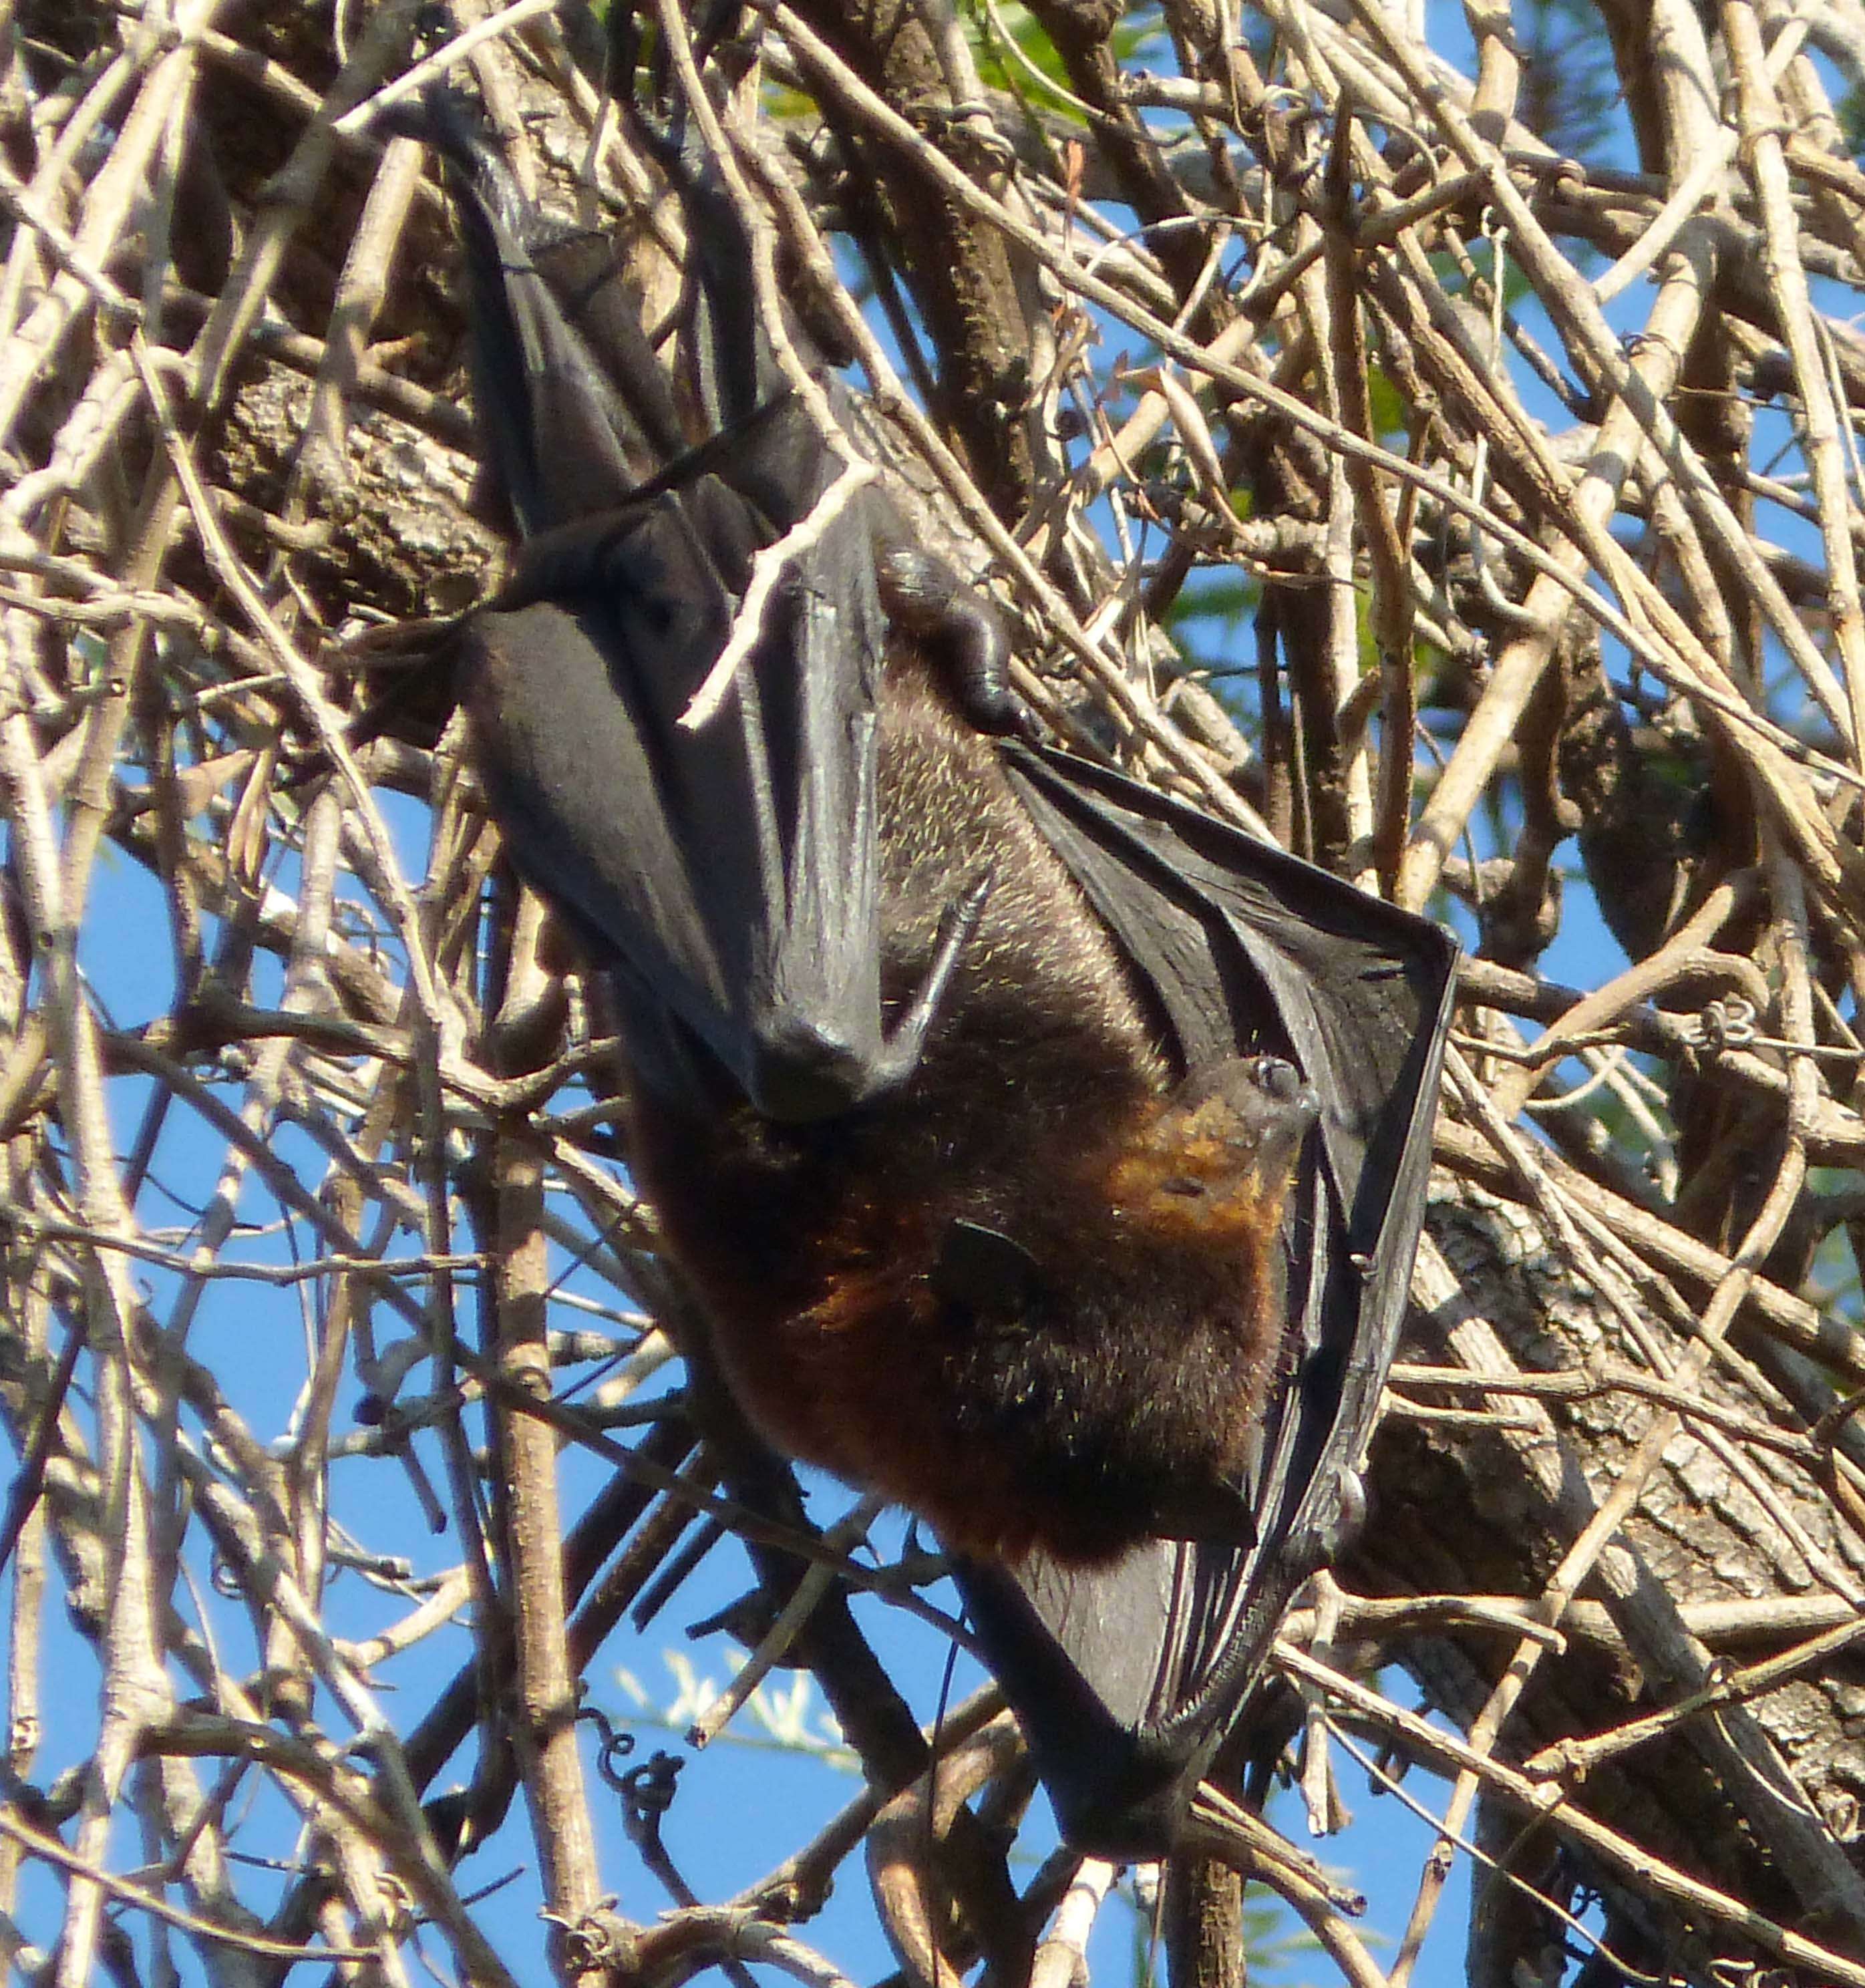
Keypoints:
pixel 1127 1678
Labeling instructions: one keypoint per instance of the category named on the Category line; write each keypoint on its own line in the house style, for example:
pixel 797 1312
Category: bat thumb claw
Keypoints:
pixel 901 1056
pixel 1339 1526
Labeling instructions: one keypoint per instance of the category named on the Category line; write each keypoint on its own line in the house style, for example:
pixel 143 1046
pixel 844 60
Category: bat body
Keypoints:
pixel 1033 1293
pixel 1048 1157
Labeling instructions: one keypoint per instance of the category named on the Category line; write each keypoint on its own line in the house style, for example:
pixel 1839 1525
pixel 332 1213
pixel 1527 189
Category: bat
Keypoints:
pixel 1047 1155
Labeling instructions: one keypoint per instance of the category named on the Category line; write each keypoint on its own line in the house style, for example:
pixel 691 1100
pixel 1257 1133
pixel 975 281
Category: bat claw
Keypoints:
pixel 925 598
pixel 900 1056
pixel 1342 1525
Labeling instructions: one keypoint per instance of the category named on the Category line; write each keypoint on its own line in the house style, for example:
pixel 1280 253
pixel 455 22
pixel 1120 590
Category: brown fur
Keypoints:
pixel 1078 1418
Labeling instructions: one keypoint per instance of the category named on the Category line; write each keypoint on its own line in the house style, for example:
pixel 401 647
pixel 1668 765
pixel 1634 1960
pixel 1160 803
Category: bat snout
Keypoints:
pixel 1279 1106
pixel 1261 1102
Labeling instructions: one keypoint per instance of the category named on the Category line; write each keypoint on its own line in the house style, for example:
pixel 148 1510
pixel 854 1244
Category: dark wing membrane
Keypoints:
pixel 550 344
pixel 1126 1678
pixel 725 868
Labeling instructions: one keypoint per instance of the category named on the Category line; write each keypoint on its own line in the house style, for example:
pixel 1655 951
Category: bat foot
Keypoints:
pixel 923 597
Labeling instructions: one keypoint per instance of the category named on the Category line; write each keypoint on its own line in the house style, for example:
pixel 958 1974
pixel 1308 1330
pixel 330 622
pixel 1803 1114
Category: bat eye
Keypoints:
pixel 1277 1077
pixel 1180 1184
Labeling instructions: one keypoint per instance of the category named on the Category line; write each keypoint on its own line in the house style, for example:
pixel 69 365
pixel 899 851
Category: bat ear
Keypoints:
pixel 985 1272
pixel 1219 1514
